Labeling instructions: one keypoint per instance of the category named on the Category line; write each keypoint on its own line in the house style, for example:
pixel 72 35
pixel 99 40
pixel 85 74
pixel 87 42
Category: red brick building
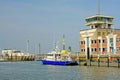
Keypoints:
pixel 101 37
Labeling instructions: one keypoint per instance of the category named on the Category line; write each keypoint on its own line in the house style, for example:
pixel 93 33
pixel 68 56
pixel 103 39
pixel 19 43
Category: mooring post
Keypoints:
pixel 79 61
pixel 90 60
pixel 108 61
pixel 98 60
pixel 118 62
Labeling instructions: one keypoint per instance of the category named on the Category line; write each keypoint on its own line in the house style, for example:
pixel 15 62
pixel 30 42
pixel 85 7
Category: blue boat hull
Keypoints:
pixel 47 62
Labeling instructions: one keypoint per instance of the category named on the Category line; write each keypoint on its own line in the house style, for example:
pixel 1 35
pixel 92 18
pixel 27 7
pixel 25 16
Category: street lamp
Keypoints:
pixel 88 51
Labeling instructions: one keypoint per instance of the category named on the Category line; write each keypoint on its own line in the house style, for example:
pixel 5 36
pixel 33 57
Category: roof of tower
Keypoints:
pixel 99 16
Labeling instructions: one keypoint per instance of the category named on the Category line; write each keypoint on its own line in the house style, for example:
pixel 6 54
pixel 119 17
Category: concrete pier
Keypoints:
pixel 17 58
pixel 100 60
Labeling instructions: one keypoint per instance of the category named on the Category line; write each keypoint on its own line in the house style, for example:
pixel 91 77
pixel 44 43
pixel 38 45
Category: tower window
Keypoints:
pixel 103 33
pixel 99 33
pixel 92 27
pixel 96 26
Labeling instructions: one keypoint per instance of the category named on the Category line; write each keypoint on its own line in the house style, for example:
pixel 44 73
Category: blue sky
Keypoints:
pixel 45 22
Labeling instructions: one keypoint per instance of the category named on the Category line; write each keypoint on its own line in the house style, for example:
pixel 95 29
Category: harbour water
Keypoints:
pixel 36 71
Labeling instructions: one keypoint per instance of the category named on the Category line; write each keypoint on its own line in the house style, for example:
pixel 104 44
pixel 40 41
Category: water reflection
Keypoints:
pixel 99 73
pixel 37 71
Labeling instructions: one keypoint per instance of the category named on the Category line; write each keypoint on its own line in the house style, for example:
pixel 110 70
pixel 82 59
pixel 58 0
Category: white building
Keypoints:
pixel 10 52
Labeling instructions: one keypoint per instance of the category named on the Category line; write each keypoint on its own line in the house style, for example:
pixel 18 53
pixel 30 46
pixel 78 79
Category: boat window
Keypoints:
pixel 57 54
pixel 50 54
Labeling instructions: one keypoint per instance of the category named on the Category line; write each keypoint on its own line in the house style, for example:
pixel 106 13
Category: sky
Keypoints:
pixel 46 21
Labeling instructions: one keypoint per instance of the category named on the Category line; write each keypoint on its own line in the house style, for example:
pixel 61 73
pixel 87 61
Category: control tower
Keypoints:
pixel 100 37
pixel 99 22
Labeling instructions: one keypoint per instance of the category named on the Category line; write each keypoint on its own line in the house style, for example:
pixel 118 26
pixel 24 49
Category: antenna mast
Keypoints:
pixel 98 7
pixel 39 48
pixel 27 45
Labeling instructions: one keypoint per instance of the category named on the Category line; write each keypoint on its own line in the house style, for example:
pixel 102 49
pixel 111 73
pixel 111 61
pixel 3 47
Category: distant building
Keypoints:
pixel 100 38
pixel 10 52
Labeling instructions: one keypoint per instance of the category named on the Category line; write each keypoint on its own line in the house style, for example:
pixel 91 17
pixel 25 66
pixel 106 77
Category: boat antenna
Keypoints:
pixel 56 46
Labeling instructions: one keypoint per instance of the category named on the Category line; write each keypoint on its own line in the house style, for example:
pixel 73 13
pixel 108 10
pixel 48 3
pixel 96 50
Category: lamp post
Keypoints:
pixel 88 52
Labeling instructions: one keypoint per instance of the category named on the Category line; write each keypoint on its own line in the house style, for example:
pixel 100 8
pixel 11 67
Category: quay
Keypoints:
pixel 16 58
pixel 103 60
pixel 15 55
pixel 111 60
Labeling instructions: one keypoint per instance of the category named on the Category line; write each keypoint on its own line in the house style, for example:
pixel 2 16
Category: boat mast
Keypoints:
pixel 63 42
pixel 56 46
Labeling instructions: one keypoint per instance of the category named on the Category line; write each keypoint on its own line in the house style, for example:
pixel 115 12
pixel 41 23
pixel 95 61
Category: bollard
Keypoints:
pixel 90 60
pixel 108 61
pixel 118 63
pixel 98 62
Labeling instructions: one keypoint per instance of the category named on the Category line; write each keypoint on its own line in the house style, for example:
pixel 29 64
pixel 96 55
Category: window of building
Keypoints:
pixel 108 32
pixel 111 39
pixel 93 42
pixel 99 41
pixel 91 27
pixel 96 26
pixel 109 26
pixel 118 48
pixel 99 33
pixel 118 40
pixel 82 42
pixel 104 50
pixel 103 33
pixel 82 50
pixel 99 49
pixel 93 49
pixel 104 40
